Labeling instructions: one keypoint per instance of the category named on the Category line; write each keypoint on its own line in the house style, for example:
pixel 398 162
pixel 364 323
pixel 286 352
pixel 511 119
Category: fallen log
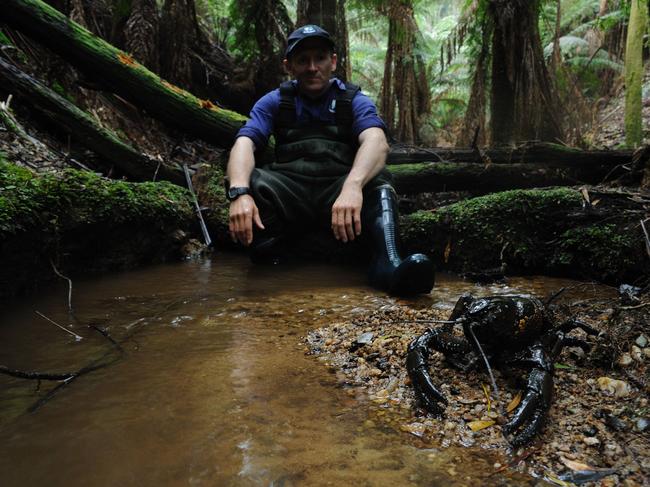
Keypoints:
pixel 120 73
pixel 83 128
pixel 481 179
pixel 537 153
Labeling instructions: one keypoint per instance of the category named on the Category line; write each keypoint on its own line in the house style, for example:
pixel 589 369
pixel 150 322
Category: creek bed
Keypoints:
pixel 215 386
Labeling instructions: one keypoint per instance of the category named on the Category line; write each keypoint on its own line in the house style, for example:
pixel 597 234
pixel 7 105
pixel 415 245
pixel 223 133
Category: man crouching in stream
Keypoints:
pixel 330 155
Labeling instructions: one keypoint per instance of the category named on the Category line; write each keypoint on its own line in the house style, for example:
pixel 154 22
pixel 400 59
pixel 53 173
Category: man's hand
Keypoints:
pixel 243 212
pixel 346 213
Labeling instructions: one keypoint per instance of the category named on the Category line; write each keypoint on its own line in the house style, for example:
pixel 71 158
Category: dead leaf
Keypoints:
pixel 447 251
pixel 486 391
pixel 172 87
pixel 514 403
pixel 126 59
pixel 207 104
pixel 576 465
pixel 480 424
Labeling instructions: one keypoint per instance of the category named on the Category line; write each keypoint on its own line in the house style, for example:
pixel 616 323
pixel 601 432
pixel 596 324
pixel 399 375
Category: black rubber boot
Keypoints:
pixel 388 271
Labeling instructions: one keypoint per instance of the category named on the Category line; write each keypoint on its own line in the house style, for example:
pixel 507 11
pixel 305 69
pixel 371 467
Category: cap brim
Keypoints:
pixel 293 47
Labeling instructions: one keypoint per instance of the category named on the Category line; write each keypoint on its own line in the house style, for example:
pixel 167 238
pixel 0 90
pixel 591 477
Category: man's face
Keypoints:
pixel 312 65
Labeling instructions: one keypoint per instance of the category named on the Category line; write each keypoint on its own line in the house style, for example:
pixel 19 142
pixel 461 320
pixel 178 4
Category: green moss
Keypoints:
pixel 58 202
pixel 603 246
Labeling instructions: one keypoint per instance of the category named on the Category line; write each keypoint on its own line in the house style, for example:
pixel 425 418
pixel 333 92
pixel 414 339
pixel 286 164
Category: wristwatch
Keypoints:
pixel 235 192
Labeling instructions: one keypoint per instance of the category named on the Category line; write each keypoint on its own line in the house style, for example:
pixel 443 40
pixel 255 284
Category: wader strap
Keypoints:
pixel 287 113
pixel 344 117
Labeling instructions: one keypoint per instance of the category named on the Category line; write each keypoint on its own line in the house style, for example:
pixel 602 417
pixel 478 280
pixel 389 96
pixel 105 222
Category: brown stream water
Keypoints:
pixel 214 387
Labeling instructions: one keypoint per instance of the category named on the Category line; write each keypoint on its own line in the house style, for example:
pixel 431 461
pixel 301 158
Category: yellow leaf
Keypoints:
pixel 487 397
pixel 514 403
pixel 576 465
pixel 447 251
pixel 480 425
pixel 126 59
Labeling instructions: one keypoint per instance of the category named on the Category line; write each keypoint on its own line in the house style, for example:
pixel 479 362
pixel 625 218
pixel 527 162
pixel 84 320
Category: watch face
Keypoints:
pixel 234 193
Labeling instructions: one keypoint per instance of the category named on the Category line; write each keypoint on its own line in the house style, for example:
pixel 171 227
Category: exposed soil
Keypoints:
pixel 593 421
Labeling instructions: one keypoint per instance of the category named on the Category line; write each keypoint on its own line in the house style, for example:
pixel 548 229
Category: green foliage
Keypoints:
pixel 54 203
pixel 4 40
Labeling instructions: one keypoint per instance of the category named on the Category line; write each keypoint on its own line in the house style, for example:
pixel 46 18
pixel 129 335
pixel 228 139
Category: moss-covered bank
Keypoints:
pixel 84 223
pixel 533 231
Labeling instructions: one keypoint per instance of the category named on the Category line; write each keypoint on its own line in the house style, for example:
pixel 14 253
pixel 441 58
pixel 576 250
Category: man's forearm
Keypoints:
pixel 241 162
pixel 370 158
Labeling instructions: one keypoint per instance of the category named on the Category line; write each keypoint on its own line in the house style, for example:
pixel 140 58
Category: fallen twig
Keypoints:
pixel 647 237
pixel 56 271
pixel 76 337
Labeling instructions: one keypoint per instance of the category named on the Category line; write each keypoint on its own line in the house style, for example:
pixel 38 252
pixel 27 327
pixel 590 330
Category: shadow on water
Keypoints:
pixel 215 387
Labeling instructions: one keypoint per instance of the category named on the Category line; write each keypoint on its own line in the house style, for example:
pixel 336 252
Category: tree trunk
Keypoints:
pixel 141 33
pixel 634 73
pixel 480 179
pixel 541 153
pixel 121 74
pixel 405 97
pixel 83 129
pixel 330 15
pixel 523 101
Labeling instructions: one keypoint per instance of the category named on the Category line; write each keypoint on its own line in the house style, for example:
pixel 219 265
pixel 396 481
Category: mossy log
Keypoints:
pixel 118 72
pixel 554 155
pixel 83 128
pixel 481 179
pixel 84 223
pixel 552 232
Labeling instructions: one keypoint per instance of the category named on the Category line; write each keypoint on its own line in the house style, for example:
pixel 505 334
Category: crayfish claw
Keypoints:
pixel 416 364
pixel 529 416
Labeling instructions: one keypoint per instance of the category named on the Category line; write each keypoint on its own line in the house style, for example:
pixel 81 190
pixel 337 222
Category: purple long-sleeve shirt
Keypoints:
pixel 263 115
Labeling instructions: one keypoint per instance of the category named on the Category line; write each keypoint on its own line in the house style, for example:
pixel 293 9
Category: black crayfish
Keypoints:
pixel 507 330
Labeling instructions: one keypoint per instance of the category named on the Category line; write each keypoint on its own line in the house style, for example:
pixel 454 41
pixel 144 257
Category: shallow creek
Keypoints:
pixel 214 387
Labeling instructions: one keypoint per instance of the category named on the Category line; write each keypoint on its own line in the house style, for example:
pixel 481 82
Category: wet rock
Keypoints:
pixel 616 387
pixel 590 430
pixel 641 341
pixel 590 440
pixel 637 354
pixel 615 423
pixel 641 424
pixel 625 359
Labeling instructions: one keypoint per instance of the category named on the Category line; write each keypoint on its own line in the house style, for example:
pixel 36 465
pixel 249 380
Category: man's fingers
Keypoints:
pixel 349 229
pixel 357 223
pixel 257 219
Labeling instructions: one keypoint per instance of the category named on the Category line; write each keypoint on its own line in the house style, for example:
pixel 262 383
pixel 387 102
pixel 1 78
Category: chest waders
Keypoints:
pixel 319 155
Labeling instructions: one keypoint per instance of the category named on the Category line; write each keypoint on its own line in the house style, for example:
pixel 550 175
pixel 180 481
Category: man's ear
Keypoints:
pixel 287 66
pixel 333 61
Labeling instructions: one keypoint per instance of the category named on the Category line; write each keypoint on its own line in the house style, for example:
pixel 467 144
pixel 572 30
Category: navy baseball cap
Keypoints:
pixel 306 32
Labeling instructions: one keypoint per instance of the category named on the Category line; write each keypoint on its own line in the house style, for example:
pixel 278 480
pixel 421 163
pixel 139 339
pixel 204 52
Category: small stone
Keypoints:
pixel 365 338
pixel 497 465
pixel 493 415
pixel 646 352
pixel 626 359
pixel 591 440
pixel 449 425
pixel 614 386
pixel 641 341
pixel 642 424
pixel 637 354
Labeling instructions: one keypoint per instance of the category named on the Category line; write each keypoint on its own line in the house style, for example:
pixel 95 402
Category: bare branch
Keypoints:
pixel 76 337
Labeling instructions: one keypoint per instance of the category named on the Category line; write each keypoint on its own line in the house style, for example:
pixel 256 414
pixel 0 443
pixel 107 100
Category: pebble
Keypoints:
pixel 637 354
pixel 641 341
pixel 642 424
pixel 614 386
pixel 590 440
pixel 626 359
pixel 450 425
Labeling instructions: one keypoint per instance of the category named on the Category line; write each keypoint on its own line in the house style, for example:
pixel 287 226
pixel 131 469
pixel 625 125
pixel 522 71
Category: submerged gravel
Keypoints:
pixel 598 418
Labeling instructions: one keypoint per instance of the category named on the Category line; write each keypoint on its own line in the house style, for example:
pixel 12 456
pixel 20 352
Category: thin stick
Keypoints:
pixel 77 337
pixel 487 364
pixel 56 271
pixel 204 228
pixel 647 238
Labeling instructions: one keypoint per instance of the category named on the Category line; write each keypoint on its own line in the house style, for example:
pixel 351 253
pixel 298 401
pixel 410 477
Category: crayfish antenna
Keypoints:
pixel 487 363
